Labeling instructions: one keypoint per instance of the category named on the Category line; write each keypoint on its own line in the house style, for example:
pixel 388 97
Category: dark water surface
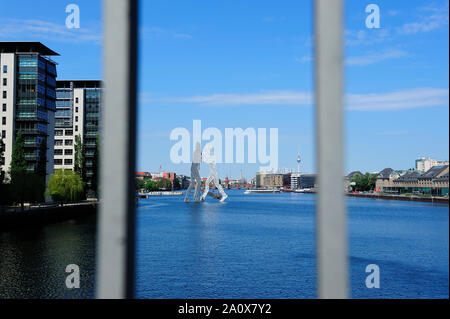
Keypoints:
pixel 33 260
pixel 252 246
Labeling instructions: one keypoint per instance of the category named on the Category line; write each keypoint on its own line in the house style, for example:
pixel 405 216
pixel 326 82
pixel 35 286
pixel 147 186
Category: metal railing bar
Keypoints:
pixel 331 228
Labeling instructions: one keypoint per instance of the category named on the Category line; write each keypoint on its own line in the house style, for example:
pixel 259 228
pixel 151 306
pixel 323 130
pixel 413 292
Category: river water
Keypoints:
pixel 252 246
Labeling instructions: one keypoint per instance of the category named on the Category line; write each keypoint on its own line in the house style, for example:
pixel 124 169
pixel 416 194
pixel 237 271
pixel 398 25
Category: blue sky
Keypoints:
pixel 249 64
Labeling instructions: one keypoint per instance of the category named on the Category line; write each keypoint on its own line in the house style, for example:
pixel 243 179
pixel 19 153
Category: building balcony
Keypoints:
pixel 31 157
pixel 32 145
pixel 91 134
pixel 32 119
pixel 32 132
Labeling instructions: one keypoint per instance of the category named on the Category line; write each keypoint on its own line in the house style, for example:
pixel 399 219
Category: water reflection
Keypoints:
pixel 33 261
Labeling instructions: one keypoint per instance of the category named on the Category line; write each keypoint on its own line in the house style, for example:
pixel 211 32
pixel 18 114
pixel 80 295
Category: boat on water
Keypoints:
pixel 261 191
pixel 305 190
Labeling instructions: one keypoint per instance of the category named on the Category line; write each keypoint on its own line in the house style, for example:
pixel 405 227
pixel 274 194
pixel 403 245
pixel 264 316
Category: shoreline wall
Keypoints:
pixel 402 198
pixel 45 215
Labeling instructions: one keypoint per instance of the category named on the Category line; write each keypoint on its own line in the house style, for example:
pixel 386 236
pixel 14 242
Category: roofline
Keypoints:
pixel 26 47
pixel 79 84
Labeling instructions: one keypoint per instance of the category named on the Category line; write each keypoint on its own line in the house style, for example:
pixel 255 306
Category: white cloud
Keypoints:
pixel 39 30
pixel 375 57
pixel 366 37
pixel 263 98
pixel 437 18
pixel 304 59
pixel 398 100
pixel 156 32
pixel 429 18
pixel 393 13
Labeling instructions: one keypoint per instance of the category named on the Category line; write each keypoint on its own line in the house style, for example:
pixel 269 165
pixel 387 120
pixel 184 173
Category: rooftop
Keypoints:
pixel 443 178
pixel 79 84
pixel 385 173
pixel 350 175
pixel 25 47
pixel 408 177
pixel 433 172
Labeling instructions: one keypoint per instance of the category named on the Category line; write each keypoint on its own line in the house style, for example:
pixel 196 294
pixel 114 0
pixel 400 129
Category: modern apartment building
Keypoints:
pixel 294 180
pixel 77 114
pixel 425 163
pixel 27 100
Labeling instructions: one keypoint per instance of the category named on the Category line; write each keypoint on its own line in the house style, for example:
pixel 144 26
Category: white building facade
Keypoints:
pixel 425 163
pixel 77 114
pixel 27 101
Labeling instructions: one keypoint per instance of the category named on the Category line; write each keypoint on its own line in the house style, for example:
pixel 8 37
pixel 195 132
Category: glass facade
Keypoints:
pixel 91 129
pixel 35 96
pixel 79 115
pixel 63 116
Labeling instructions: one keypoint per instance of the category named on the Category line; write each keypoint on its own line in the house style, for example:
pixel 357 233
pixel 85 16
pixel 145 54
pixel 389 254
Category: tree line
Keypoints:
pixel 364 183
pixel 22 185
pixel 161 184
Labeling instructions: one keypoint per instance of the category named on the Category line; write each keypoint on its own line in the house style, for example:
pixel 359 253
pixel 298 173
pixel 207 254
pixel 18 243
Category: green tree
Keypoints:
pixel 2 161
pixel 151 185
pixel 18 171
pixel 79 158
pixel 64 186
pixel 164 184
pixel 140 184
pixel 96 167
pixel 4 188
pixel 41 172
pixel 365 182
pixel 176 184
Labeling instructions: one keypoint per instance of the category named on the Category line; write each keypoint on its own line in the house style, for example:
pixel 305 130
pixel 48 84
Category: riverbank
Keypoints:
pixel 36 216
pixel 443 200
pixel 160 193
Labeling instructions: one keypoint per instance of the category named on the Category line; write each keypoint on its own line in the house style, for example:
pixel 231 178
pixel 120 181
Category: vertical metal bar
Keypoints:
pixel 115 263
pixel 331 211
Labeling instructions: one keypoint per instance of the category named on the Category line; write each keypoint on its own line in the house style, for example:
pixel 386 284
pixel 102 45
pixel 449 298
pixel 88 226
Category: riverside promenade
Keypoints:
pixel 431 199
pixel 13 218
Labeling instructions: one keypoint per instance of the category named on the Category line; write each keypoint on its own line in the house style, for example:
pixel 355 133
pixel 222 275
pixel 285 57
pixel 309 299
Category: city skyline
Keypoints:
pixel 237 65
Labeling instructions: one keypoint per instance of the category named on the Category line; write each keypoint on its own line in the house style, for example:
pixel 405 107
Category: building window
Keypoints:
pixel 4 120
pixel 3 134
pixel 58 132
pixel 5 81
pixel 4 107
pixel 76 109
pixel 58 161
pixel 68 152
pixel 58 142
pixel 69 132
pixel 76 128
pixel 76 100
pixel 58 152
pixel 5 69
pixel 68 161
pixel 68 142
pixel 4 94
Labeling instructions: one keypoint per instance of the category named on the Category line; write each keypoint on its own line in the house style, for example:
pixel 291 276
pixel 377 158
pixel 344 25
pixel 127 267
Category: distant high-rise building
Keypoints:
pixel 425 163
pixel 295 180
pixel 77 114
pixel 27 101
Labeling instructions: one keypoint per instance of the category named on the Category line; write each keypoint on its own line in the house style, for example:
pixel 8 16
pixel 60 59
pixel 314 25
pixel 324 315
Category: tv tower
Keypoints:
pixel 298 163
